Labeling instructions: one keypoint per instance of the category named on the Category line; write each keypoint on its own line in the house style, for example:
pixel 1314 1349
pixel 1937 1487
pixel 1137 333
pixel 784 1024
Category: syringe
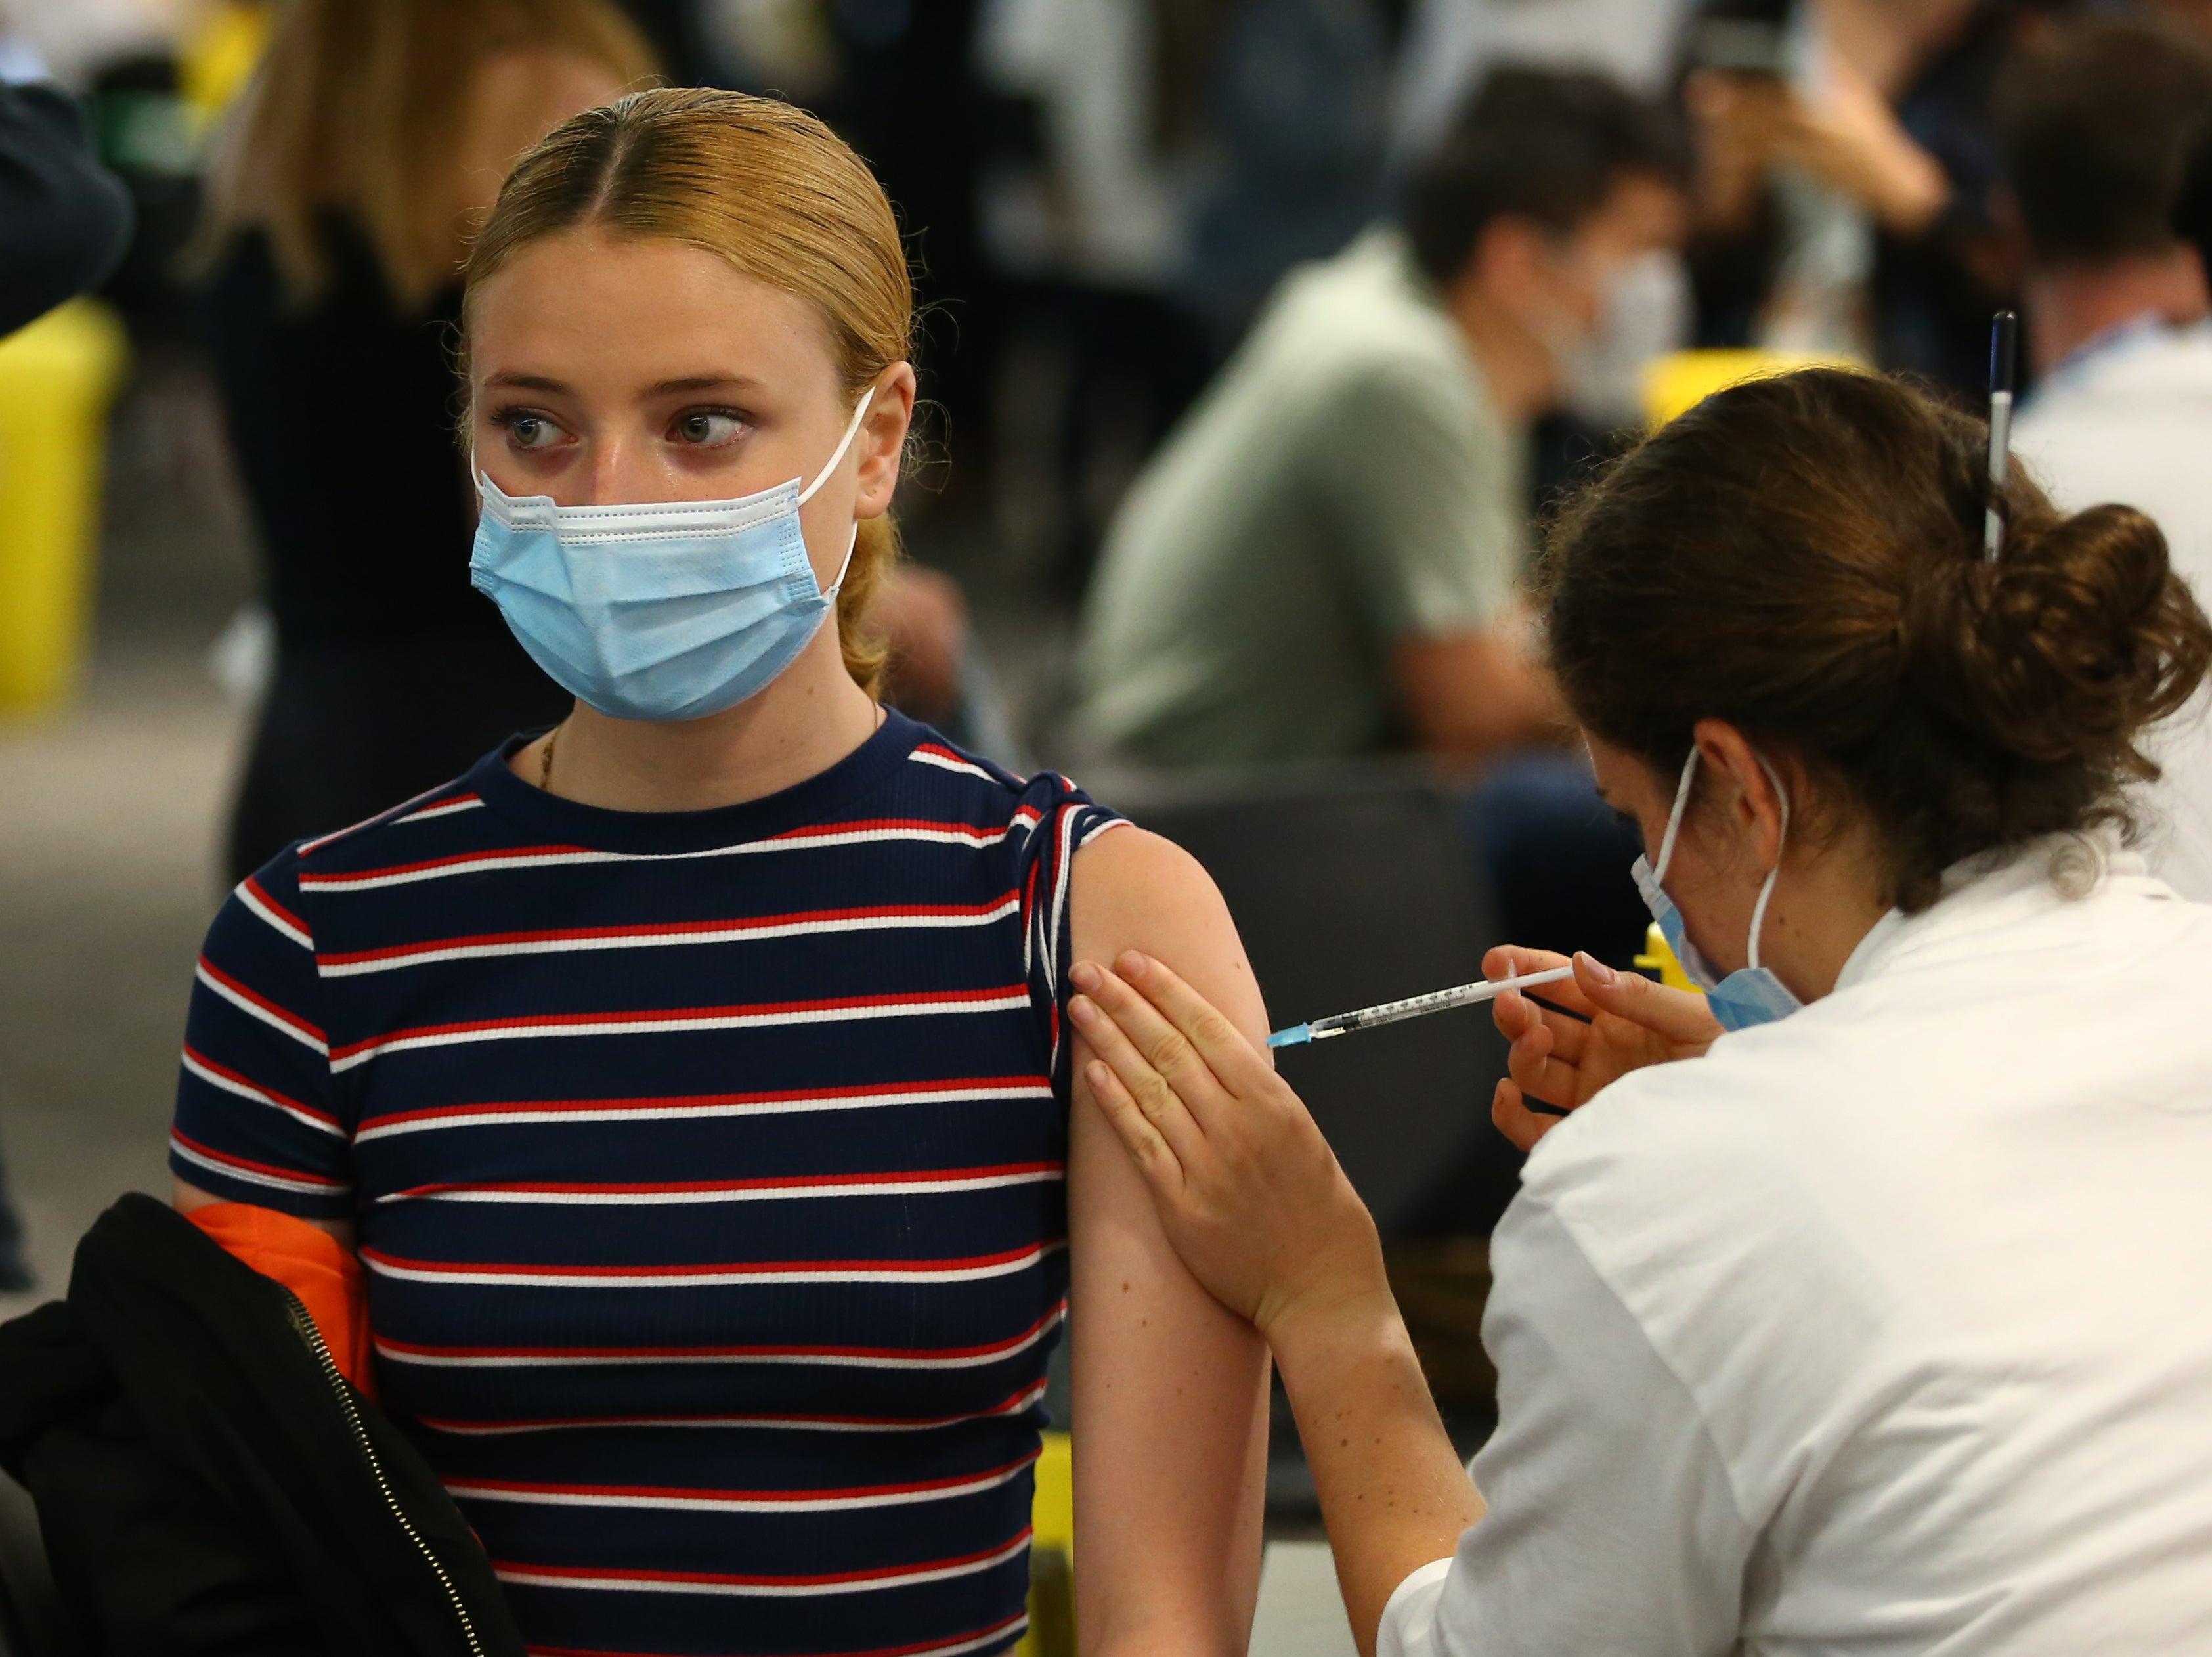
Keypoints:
pixel 1436 1001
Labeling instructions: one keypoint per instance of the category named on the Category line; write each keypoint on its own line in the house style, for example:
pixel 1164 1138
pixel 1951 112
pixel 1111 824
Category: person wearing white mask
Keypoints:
pixel 1859 1307
pixel 1323 560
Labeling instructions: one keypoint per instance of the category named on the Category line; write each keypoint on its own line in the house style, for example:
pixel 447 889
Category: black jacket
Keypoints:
pixel 205 1481
pixel 64 219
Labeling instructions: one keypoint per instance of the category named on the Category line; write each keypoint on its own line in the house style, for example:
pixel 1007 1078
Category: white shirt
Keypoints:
pixel 1883 1329
pixel 2128 418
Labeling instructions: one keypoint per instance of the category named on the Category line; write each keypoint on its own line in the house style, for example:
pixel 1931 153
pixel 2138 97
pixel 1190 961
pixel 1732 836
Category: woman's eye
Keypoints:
pixel 708 426
pixel 533 431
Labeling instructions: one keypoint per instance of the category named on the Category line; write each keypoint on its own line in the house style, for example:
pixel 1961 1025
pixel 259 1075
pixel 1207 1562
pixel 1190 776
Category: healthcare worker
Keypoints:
pixel 1875 1321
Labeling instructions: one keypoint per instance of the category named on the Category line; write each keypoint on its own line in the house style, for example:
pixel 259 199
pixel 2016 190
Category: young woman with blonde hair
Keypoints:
pixel 369 146
pixel 691 1081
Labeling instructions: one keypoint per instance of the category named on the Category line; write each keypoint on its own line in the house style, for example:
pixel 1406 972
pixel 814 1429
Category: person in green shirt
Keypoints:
pixel 1322 562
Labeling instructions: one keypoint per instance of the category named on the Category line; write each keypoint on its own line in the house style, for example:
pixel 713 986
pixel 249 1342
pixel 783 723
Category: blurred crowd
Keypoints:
pixel 1260 335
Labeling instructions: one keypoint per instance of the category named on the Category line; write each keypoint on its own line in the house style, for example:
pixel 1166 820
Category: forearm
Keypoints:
pixel 1471 697
pixel 1393 1493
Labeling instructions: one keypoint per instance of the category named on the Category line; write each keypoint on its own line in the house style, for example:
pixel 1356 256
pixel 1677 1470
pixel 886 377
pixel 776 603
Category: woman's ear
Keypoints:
pixel 1745 789
pixel 882 440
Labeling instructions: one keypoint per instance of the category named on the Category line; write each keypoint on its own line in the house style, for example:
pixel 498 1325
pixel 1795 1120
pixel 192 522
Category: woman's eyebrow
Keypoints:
pixel 528 382
pixel 702 383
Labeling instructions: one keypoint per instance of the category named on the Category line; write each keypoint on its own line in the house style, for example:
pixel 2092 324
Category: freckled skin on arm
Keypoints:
pixel 1170 1389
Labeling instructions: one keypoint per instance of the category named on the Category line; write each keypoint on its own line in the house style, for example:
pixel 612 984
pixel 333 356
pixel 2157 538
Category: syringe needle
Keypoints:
pixel 1414 1006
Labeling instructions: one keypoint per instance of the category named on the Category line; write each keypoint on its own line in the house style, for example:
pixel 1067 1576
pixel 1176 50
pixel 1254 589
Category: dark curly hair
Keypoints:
pixel 1802 557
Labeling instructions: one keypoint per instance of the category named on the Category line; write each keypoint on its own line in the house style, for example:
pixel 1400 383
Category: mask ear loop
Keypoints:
pixel 822 477
pixel 851 546
pixel 844 443
pixel 1766 891
pixel 1674 816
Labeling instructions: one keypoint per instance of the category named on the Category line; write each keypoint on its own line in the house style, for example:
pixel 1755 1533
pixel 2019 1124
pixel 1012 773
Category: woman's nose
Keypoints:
pixel 622 471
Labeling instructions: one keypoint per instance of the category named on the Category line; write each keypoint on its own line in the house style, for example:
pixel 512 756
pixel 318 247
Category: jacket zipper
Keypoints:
pixel 303 1321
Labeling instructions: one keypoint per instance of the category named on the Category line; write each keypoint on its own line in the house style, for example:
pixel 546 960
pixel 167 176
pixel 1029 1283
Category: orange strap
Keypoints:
pixel 314 1264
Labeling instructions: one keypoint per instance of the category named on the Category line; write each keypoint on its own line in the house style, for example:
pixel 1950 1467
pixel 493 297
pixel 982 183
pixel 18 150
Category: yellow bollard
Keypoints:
pixel 57 379
pixel 218 57
pixel 1658 958
pixel 1677 383
pixel 1052 1554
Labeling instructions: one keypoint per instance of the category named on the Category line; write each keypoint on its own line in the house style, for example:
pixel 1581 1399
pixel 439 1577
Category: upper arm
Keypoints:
pixel 1612 1525
pixel 1170 1389
pixel 1467 695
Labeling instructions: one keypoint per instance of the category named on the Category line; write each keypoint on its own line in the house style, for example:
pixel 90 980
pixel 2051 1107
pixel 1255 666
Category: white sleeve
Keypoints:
pixel 1611 1525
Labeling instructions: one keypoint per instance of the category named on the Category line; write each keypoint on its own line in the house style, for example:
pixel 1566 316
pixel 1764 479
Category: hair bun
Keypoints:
pixel 2077 635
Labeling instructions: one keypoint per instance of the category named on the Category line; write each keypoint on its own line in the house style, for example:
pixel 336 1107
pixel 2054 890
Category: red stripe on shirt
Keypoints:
pixel 283 1014
pixel 261 1089
pixel 585 1575
pixel 647 1018
pixel 261 895
pixel 299 1176
pixel 1027 1399
pixel 679 1493
pixel 972 1639
pixel 671 930
pixel 795 1353
pixel 806 1182
pixel 731 1269
pixel 888 1090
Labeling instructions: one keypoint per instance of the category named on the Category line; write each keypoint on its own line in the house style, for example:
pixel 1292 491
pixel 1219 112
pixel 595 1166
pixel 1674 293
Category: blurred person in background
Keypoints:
pixel 64 219
pixel 1085 210
pixel 1848 161
pixel 1289 102
pixel 2096 132
pixel 1324 561
pixel 1451 44
pixel 371 142
pixel 64 223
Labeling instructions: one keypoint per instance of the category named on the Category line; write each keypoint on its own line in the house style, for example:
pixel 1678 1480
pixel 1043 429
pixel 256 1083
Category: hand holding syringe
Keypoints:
pixel 1414 1006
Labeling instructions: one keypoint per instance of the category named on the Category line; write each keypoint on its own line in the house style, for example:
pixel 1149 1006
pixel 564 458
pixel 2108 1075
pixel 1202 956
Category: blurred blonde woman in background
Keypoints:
pixel 370 145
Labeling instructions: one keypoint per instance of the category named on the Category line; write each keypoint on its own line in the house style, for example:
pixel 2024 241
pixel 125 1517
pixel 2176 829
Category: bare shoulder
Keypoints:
pixel 1133 868
pixel 1134 890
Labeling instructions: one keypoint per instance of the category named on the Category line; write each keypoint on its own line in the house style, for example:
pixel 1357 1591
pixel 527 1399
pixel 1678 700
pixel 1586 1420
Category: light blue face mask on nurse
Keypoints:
pixel 658 610
pixel 1751 995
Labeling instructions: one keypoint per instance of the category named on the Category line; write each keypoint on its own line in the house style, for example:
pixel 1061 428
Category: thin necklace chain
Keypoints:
pixel 545 759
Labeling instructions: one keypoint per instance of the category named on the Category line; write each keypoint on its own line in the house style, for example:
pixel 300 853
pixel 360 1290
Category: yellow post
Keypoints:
pixel 1677 383
pixel 57 379
pixel 1658 958
pixel 1052 1554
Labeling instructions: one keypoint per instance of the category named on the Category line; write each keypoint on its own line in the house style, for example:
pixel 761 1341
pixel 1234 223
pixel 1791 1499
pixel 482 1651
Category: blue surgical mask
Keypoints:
pixel 658 610
pixel 1748 996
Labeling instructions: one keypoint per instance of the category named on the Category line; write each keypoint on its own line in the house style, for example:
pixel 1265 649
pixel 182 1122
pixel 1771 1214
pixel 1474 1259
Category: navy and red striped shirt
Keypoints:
pixel 707 1169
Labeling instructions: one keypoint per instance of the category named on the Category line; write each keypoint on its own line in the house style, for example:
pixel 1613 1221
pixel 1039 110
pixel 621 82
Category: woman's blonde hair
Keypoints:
pixel 764 186
pixel 363 106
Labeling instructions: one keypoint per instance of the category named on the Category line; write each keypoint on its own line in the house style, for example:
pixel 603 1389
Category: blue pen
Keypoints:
pixel 2004 380
pixel 1414 1006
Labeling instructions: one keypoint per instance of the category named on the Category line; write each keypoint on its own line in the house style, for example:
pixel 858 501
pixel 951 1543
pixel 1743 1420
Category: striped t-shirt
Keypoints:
pixel 708 1170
